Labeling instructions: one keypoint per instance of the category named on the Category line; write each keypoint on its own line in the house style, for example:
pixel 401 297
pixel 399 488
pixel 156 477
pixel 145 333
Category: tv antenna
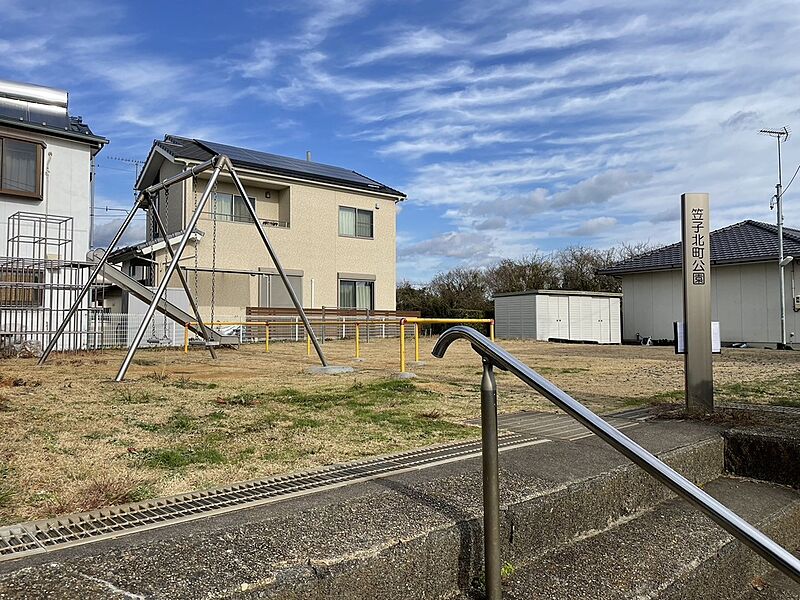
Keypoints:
pixel 781 136
pixel 137 164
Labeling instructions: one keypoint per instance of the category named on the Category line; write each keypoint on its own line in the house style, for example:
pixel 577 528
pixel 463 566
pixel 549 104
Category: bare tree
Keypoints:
pixel 578 266
pixel 533 272
pixel 461 291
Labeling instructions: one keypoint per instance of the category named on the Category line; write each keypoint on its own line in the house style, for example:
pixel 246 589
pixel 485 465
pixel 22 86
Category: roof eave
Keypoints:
pixel 144 177
pixel 93 140
pixel 678 266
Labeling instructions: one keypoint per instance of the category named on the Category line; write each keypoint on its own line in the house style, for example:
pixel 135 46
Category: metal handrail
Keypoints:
pixel 494 355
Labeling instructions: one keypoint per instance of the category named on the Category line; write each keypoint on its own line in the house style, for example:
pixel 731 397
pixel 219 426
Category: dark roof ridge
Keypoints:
pixel 790 231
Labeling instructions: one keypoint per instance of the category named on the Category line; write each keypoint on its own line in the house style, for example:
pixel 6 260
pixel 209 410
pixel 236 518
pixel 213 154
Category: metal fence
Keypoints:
pixel 95 328
pixel 35 295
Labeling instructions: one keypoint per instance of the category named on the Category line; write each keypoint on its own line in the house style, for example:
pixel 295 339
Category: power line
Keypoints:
pixel 790 181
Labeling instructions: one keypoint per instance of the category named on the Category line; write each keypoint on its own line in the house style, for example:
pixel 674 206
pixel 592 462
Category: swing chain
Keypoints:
pixel 213 253
pixel 194 193
pixel 166 254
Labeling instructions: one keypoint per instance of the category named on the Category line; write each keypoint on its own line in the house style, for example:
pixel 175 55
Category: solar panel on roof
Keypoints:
pixel 284 163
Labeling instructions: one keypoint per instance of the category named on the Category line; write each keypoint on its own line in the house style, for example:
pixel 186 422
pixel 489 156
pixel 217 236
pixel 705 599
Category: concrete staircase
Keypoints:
pixel 667 551
pixel 578 521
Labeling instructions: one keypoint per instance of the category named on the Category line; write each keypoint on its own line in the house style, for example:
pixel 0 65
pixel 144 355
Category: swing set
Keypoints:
pixel 147 201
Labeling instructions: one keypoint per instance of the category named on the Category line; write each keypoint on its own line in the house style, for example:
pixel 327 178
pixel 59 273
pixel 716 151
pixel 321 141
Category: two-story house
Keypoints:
pixel 46 204
pixel 332 228
pixel 46 168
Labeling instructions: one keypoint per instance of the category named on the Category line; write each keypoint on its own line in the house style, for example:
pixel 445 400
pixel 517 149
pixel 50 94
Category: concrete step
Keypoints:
pixel 411 535
pixel 773 586
pixel 669 552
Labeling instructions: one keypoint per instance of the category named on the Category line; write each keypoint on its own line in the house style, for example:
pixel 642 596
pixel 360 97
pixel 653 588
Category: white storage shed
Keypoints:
pixel 559 315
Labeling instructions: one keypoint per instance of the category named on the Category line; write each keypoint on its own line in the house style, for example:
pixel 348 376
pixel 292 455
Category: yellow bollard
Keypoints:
pixel 185 338
pixel 266 337
pixel 358 342
pixel 402 347
pixel 491 329
pixel 416 342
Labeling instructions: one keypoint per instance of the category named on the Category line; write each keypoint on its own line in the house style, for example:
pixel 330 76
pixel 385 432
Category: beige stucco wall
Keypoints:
pixel 744 299
pixel 310 244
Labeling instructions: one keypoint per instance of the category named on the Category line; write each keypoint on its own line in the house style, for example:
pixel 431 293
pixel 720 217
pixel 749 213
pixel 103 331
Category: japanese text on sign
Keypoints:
pixel 699 248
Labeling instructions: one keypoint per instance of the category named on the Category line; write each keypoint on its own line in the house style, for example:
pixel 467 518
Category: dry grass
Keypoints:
pixel 74 440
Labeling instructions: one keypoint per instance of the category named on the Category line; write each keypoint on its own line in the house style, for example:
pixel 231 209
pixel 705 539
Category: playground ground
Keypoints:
pixel 73 440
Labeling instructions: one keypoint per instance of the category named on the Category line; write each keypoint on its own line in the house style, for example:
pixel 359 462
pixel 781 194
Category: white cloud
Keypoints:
pixel 599 188
pixel 261 60
pixel 592 227
pixel 416 42
pixel 105 229
pixel 452 245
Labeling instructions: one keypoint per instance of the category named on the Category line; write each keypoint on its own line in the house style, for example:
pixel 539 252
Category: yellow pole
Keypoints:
pixel 308 344
pixel 491 330
pixel 185 338
pixel 358 342
pixel 416 342
pixel 266 337
pixel 402 347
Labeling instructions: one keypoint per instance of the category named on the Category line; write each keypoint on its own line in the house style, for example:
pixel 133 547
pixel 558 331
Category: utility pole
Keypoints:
pixel 781 135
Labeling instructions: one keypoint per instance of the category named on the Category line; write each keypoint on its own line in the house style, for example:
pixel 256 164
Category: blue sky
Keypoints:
pixel 513 127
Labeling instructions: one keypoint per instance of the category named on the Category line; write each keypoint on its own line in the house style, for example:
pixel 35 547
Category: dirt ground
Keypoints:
pixel 75 440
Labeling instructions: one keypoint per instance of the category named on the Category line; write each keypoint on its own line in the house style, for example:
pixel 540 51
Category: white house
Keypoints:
pixel 46 204
pixel 744 286
pixel 47 161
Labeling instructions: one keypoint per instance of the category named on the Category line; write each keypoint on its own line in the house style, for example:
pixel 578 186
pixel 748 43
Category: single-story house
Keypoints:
pixel 744 286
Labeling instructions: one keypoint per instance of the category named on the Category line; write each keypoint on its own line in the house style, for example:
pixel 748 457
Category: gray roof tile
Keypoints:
pixel 744 242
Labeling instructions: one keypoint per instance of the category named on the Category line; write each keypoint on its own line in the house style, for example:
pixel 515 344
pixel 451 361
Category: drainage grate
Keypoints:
pixel 52 534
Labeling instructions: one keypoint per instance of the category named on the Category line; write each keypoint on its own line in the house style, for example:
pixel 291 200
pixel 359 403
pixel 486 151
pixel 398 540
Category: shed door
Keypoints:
pixel 605 321
pixel 577 315
pixel 545 320
pixel 614 325
pixel 562 317
pixel 588 323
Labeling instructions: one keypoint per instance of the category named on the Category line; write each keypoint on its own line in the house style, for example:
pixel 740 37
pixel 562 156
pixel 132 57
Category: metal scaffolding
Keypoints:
pixel 39 282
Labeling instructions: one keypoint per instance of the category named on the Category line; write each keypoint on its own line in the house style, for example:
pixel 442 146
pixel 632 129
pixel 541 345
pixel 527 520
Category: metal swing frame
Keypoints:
pixel 144 202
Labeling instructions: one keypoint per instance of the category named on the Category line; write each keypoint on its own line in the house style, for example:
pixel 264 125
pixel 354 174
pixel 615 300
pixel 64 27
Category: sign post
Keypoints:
pixel 695 221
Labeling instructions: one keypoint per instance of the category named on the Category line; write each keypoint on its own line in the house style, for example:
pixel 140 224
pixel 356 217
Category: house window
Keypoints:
pixel 355 222
pixel 356 294
pixel 231 208
pixel 21 168
pixel 273 292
